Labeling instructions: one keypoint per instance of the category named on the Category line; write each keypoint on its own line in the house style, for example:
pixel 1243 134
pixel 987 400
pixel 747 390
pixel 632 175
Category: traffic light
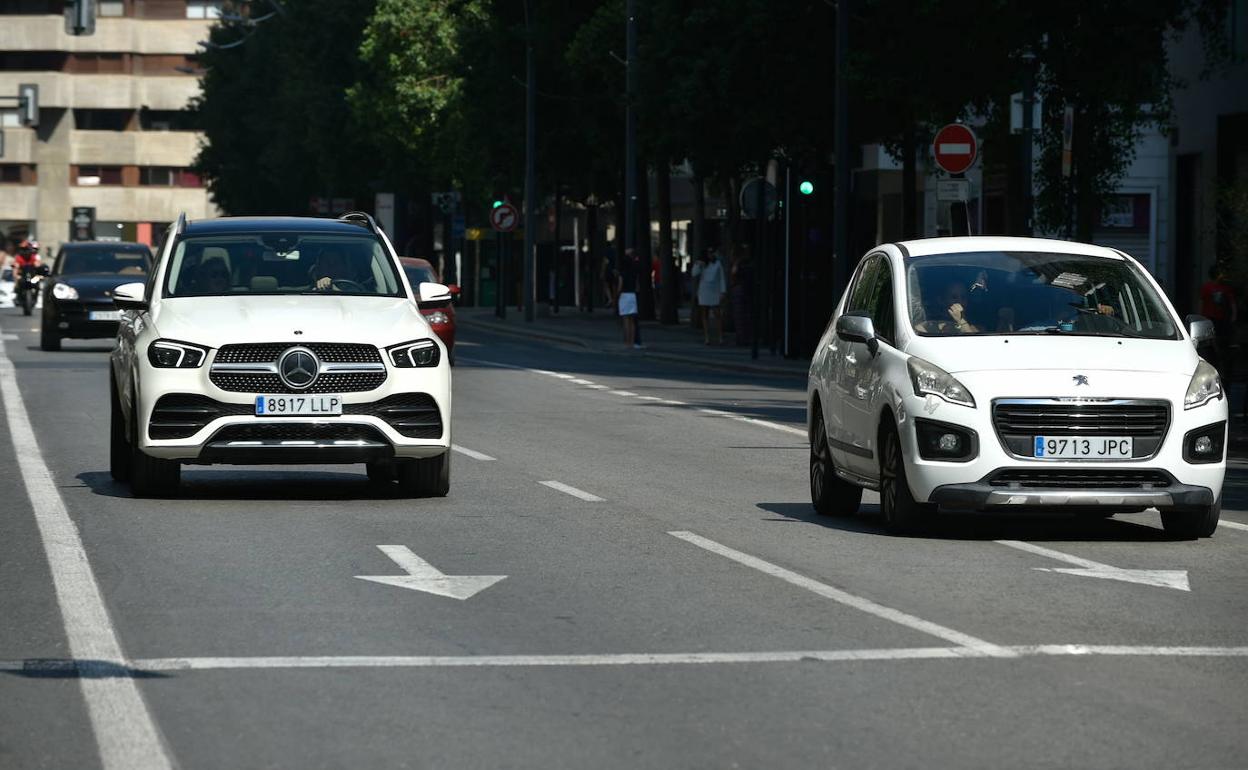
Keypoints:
pixel 806 187
pixel 80 17
pixel 28 104
pixel 497 202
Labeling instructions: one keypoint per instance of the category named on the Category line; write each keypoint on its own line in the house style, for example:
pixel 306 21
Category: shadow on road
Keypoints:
pixel 63 668
pixel 1053 528
pixel 231 483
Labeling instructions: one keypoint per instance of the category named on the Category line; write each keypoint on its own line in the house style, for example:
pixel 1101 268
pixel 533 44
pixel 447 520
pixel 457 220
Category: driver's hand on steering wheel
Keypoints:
pixel 324 283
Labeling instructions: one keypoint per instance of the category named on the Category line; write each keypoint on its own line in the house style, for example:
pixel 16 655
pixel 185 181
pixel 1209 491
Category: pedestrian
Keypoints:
pixel 610 282
pixel 712 285
pixel 1218 304
pixel 695 275
pixel 626 289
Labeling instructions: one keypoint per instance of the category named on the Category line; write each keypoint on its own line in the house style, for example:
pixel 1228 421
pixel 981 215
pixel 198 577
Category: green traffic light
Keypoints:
pixel 496 204
pixel 806 187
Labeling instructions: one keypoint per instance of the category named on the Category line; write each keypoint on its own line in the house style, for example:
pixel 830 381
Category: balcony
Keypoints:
pixel 105 92
pixel 19 203
pixel 134 148
pixel 143 204
pixel 19 145
pixel 47 33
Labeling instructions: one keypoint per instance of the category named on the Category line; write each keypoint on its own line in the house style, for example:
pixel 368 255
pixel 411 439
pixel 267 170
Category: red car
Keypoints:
pixel 441 318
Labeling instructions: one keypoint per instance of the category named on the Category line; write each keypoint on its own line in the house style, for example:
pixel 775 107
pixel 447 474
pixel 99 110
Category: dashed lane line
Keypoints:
pixel 570 490
pixel 844 597
pixel 1233 525
pixel 474 454
pixel 125 734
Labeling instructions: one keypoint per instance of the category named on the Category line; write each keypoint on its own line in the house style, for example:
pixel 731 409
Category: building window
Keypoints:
pixel 94 176
pixel 111 8
pixel 17 173
pixel 10 119
pixel 103 120
pixel 203 9
pixel 157 176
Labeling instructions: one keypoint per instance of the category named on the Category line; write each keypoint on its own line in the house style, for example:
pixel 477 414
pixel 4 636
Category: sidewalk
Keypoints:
pixel 600 332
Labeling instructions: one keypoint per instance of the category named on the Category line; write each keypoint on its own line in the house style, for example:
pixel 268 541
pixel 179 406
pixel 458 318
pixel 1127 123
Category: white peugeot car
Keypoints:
pixel 279 341
pixel 1014 375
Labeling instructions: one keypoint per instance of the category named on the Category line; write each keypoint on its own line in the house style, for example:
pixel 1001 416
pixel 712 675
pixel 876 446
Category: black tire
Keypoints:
pixel 428 477
pixel 152 476
pixel 27 303
pixel 118 445
pixel 830 494
pixel 49 340
pixel 902 514
pixel 1190 526
pixel 380 471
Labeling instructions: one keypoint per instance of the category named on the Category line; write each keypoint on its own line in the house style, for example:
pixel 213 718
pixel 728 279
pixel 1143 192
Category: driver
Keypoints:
pixel 953 300
pixel 331 265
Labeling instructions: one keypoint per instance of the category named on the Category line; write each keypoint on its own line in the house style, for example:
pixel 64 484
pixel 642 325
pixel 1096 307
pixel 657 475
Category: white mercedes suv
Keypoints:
pixel 1014 375
pixel 279 341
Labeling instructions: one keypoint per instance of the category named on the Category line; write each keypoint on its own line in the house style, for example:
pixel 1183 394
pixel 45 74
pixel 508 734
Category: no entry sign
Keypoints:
pixel 504 218
pixel 955 148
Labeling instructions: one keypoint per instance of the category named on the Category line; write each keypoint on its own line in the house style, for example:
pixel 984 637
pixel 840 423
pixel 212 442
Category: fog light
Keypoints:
pixel 1203 445
pixel 950 442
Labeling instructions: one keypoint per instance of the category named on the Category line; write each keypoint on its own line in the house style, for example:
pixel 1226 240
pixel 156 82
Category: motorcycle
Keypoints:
pixel 27 289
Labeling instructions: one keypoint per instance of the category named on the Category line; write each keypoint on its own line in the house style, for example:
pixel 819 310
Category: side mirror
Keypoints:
pixel 1200 329
pixel 429 293
pixel 855 328
pixel 130 296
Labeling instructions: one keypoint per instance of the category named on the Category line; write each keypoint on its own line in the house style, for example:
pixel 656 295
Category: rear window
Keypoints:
pixel 104 261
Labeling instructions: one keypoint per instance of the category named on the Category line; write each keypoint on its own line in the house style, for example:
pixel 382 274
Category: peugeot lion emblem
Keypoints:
pixel 1080 379
pixel 298 368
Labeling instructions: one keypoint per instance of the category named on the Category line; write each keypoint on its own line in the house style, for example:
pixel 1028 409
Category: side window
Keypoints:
pixel 864 286
pixel 883 311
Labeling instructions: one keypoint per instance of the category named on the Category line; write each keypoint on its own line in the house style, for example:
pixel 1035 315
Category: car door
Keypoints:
pixel 865 382
pixel 846 360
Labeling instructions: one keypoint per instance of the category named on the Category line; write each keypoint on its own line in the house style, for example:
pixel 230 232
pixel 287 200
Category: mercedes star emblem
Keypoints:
pixel 1080 379
pixel 298 368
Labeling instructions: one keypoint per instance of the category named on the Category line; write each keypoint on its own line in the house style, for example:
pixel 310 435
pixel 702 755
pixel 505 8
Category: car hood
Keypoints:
pixel 97 285
pixel 217 321
pixel 1067 353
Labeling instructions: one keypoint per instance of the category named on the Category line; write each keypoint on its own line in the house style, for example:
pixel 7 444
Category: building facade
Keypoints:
pixel 114 138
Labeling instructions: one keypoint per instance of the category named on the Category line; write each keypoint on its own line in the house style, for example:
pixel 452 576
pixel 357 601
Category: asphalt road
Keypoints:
pixel 670 599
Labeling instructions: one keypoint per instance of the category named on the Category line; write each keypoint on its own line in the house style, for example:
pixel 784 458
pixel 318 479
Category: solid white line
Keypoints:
pixel 624 393
pixel 844 597
pixel 755 421
pixel 474 454
pixel 567 490
pixel 1233 525
pixel 124 731
pixel 1050 553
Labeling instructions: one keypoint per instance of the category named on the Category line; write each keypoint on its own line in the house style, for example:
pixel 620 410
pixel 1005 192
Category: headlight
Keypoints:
pixel 417 354
pixel 437 317
pixel 167 354
pixel 64 291
pixel 1204 387
pixel 929 379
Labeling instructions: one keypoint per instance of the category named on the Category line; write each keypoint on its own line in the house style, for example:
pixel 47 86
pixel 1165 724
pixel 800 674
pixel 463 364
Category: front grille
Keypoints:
pixel 271 383
pixel 181 415
pixel 1080 479
pixel 1018 422
pixel 327 352
pixel 414 415
pixel 298 431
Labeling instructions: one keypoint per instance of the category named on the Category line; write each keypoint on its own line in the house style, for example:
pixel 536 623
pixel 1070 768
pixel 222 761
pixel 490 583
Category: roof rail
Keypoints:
pixel 360 216
pixel 180 225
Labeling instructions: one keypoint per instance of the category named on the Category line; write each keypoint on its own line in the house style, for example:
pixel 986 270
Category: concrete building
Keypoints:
pixel 113 133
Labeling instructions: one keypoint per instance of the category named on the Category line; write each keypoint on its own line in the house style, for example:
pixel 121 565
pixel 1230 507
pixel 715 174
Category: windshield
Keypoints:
pixel 982 293
pixel 281 263
pixel 119 262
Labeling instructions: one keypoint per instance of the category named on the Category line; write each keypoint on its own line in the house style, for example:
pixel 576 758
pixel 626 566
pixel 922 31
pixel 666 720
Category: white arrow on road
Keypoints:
pixel 1161 578
pixel 423 576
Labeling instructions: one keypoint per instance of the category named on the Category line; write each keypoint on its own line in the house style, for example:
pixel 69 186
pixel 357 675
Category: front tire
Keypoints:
pixel 902 514
pixel 152 476
pixel 26 303
pixel 49 340
pixel 829 493
pixel 1190 526
pixel 118 445
pixel 425 477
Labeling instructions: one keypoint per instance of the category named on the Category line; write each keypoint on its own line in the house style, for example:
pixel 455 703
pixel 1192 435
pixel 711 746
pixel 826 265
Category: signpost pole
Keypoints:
pixel 500 306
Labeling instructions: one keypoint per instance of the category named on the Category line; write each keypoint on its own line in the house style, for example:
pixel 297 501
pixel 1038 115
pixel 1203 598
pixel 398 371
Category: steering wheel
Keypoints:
pixel 346 284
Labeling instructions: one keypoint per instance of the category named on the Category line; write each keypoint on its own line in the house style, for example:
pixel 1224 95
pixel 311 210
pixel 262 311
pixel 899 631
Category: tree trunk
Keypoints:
pixel 670 293
pixel 594 268
pixel 645 284
pixel 909 198
pixel 698 236
pixel 1083 173
pixel 732 232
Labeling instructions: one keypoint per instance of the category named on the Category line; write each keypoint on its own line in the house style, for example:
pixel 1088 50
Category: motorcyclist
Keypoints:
pixel 27 257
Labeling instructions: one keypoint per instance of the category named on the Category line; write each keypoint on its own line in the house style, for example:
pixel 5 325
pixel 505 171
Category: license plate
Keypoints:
pixel 104 315
pixel 280 406
pixel 1077 448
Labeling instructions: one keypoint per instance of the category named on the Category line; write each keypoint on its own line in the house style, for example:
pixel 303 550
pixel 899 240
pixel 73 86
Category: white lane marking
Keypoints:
pixel 755 421
pixel 1159 578
pixel 423 576
pixel 9 337
pixel 844 597
pixel 567 490
pixel 623 393
pixel 156 665
pixel 1233 525
pixel 474 454
pixel 124 731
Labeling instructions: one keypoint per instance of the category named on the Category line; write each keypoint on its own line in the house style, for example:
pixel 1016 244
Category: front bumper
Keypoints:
pixel 984 497
pixel 71 318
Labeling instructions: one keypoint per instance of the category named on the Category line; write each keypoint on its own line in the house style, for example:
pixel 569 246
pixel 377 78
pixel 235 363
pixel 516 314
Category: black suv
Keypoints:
pixel 78 296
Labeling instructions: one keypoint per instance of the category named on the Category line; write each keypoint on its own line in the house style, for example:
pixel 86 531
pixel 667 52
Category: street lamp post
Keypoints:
pixel 630 130
pixel 530 166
